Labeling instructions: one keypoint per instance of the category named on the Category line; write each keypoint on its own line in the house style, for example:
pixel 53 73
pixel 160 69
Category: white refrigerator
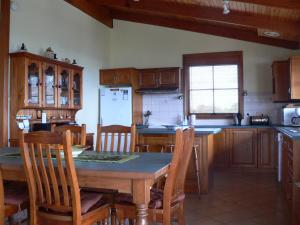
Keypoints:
pixel 115 106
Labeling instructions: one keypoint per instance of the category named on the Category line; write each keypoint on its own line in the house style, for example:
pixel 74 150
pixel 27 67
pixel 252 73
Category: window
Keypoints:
pixel 213 84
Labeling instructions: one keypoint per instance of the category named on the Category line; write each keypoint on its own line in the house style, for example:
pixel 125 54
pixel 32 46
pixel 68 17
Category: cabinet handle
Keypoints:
pixel 59 86
pixel 40 84
pixel 289 90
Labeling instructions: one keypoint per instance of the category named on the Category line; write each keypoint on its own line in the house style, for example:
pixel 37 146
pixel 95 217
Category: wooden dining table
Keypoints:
pixel 135 176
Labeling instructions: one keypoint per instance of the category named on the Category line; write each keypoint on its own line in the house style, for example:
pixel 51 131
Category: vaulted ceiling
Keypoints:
pixel 249 20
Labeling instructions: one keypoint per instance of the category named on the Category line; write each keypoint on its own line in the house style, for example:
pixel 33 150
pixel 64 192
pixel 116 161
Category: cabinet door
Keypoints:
pixel 169 78
pixel 107 77
pixel 156 141
pixel 243 147
pixel 295 77
pixel 64 84
pixel 50 85
pixel 221 153
pixel 148 79
pixel 77 89
pixel 33 87
pixel 281 81
pixel 266 153
pixel 123 77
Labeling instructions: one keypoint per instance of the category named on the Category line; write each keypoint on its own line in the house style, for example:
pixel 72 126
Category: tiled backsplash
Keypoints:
pixel 168 108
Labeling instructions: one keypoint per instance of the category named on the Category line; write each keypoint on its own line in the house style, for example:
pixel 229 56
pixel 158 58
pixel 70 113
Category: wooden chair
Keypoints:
pixel 168 202
pixel 78 133
pixel 122 138
pixel 13 199
pixel 55 197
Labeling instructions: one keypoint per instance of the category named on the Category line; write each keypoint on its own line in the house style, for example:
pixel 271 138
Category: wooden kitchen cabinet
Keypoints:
pixel 243 147
pixel 122 76
pixel 50 85
pixel 266 154
pixel 286 80
pixel 76 92
pixel 281 81
pixel 159 78
pixel 155 141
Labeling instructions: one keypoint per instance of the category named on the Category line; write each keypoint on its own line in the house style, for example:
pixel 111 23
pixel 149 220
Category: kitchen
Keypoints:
pixel 138 46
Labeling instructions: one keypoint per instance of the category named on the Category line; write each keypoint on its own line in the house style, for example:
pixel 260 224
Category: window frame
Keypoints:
pixel 213 59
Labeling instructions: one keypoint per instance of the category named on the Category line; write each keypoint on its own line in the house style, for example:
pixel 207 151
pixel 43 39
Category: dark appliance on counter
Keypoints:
pixel 259 120
pixel 238 119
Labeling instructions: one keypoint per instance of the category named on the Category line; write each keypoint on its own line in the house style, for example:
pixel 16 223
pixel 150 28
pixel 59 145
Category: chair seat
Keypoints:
pixel 156 201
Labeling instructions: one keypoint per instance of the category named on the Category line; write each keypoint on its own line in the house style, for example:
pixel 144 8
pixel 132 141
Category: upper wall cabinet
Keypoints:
pixel 116 77
pixel 286 80
pixel 159 78
pixel 39 82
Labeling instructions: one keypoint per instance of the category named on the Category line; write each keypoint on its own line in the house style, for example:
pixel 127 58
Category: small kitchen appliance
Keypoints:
pixel 290 115
pixel 259 120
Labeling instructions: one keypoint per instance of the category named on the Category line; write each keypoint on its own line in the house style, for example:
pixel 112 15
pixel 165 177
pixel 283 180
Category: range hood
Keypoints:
pixel 169 90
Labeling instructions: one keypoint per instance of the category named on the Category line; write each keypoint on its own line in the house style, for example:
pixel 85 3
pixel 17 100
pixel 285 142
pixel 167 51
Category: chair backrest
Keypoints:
pixel 177 173
pixel 50 172
pixel 116 138
pixel 78 133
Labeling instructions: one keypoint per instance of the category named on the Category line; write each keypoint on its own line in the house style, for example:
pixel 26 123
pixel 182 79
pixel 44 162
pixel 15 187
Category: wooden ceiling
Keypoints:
pixel 248 19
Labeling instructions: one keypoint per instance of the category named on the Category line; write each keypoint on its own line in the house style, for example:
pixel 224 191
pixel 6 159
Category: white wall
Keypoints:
pixel 70 33
pixel 146 46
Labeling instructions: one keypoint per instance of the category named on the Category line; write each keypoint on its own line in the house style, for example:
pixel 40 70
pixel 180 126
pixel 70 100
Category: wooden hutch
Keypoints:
pixel 39 84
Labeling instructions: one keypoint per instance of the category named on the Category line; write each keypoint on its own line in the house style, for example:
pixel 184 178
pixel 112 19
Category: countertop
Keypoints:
pixel 214 129
pixel 198 130
pixel 290 134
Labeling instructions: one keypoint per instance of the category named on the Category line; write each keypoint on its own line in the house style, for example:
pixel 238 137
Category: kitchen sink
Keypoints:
pixel 294 129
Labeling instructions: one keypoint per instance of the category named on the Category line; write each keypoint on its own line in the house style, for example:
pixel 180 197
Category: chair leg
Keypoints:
pixel 181 219
pixel 10 221
pixel 131 222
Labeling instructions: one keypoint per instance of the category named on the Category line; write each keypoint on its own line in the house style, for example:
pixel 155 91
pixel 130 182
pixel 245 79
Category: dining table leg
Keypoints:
pixel 141 197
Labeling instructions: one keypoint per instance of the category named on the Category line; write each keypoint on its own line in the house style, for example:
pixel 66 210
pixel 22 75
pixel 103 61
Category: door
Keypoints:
pixel 64 81
pixel 168 78
pixel 243 147
pixel 221 153
pixel 295 77
pixel 107 77
pixel 77 89
pixel 50 85
pixel 266 153
pixel 148 79
pixel 34 83
pixel 281 81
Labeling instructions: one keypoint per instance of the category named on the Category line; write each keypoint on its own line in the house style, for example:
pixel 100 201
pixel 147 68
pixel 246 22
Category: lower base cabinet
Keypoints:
pixel 245 147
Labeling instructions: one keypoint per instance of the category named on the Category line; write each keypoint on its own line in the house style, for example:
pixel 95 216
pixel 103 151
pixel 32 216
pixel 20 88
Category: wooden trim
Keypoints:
pixel 214 15
pixel 4 63
pixel 98 12
pixel 201 27
pixel 223 58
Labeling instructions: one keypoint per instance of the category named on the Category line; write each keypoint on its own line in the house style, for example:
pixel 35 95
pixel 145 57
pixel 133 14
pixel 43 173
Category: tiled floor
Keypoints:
pixel 240 197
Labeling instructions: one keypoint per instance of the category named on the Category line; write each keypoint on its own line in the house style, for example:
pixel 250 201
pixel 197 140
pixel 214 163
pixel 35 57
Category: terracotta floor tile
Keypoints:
pixel 240 197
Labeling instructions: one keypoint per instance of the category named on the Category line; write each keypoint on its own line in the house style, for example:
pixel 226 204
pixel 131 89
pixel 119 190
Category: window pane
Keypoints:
pixel 226 76
pixel 226 101
pixel 201 101
pixel 201 77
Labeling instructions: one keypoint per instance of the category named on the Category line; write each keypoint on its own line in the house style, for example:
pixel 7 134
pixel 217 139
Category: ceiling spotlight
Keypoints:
pixel 226 9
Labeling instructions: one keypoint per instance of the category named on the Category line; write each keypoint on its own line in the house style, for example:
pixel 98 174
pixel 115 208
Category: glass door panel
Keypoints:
pixel 34 84
pixel 64 87
pixel 50 85
pixel 76 92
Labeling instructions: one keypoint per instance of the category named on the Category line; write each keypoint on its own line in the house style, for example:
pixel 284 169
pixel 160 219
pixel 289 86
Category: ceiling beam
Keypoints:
pixel 209 14
pixel 286 4
pixel 201 27
pixel 99 13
